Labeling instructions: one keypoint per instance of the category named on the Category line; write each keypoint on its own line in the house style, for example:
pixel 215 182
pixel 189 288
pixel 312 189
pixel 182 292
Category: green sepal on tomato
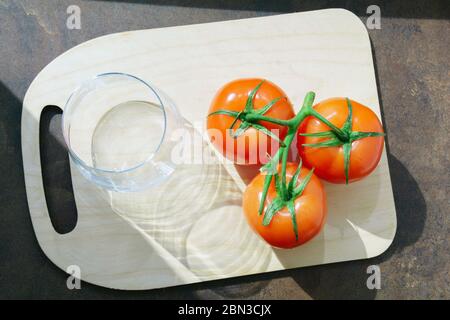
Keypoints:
pixel 296 222
pixel 248 142
pixel 346 158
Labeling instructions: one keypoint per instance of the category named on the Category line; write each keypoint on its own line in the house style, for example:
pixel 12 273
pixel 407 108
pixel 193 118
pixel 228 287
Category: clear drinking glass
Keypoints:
pixel 117 130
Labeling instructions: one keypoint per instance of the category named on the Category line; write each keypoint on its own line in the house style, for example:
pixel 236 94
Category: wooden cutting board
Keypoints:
pixel 191 228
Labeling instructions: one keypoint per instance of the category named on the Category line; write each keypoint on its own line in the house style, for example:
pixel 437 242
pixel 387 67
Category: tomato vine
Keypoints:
pixel 287 192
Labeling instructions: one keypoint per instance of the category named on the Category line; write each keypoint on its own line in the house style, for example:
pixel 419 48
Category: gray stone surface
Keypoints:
pixel 411 52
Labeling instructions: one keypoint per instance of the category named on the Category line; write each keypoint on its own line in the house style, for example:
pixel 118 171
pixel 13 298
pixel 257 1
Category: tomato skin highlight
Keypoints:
pixel 329 161
pixel 310 209
pixel 253 144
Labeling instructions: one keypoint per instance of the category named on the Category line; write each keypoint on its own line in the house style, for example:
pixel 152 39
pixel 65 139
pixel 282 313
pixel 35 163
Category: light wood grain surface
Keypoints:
pixel 194 230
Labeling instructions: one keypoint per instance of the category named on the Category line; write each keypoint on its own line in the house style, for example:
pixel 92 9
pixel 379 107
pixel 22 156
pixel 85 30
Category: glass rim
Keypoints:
pixel 73 154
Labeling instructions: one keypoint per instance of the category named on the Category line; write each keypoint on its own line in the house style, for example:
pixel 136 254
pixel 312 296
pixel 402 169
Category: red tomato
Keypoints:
pixel 310 210
pixel 329 161
pixel 252 146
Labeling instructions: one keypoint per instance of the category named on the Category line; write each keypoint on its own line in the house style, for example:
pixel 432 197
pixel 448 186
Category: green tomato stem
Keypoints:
pixel 280 122
pixel 293 125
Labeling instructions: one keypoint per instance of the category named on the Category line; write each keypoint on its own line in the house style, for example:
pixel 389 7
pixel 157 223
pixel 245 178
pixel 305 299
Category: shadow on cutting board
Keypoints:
pixel 174 218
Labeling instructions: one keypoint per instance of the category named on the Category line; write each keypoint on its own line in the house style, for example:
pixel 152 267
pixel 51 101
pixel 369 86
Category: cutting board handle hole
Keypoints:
pixel 56 175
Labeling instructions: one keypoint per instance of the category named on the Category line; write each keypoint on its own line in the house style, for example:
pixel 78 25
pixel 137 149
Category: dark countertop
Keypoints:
pixel 411 54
